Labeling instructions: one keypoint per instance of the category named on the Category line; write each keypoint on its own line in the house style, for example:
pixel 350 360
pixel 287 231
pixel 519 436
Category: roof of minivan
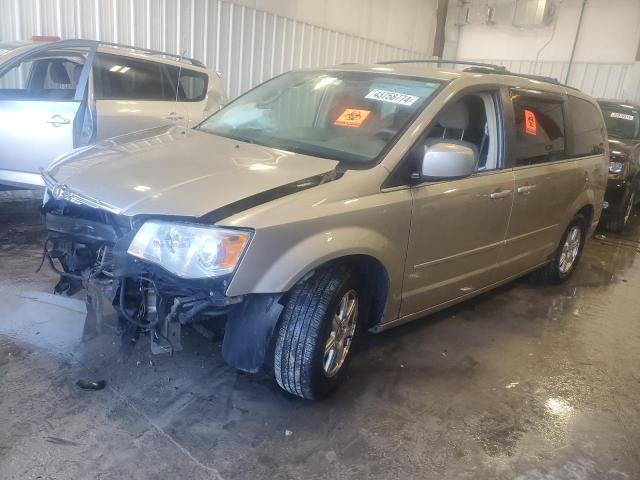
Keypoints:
pixel 106 48
pixel 431 71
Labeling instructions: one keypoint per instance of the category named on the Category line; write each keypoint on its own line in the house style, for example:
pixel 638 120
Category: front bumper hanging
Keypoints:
pixel 87 247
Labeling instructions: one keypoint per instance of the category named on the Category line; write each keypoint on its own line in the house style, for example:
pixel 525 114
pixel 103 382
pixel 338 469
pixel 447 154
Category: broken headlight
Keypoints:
pixel 188 250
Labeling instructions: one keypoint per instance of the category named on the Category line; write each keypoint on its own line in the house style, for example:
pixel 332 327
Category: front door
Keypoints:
pixel 40 98
pixel 458 227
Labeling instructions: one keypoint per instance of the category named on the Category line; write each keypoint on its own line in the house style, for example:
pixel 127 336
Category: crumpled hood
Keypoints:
pixel 176 171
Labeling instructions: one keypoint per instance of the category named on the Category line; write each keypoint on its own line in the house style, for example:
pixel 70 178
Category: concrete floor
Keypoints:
pixel 530 382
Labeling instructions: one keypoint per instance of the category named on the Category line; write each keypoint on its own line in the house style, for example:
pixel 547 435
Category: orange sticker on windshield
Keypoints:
pixel 530 122
pixel 352 117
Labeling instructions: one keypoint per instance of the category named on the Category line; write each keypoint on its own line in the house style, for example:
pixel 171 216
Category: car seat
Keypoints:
pixel 452 119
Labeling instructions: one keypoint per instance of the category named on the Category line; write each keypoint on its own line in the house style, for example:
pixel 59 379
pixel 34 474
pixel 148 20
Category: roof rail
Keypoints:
pixel 496 68
pixel 82 42
pixel 180 58
pixel 542 78
pixel 479 67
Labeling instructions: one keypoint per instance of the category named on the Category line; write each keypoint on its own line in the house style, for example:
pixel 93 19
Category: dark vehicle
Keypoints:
pixel 623 126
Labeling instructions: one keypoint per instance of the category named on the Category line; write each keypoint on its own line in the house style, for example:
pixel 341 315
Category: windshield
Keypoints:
pixel 621 121
pixel 347 116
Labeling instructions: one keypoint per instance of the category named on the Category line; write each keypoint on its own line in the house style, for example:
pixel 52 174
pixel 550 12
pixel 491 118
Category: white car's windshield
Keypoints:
pixel 348 116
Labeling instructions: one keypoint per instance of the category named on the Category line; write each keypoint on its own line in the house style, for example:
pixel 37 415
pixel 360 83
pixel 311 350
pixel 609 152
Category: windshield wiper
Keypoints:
pixel 242 138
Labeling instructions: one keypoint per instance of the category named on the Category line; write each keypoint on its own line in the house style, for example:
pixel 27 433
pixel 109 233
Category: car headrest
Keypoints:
pixel 77 71
pixel 455 115
pixel 59 74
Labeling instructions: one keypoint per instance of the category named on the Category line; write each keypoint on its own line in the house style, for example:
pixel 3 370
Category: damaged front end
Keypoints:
pixel 88 248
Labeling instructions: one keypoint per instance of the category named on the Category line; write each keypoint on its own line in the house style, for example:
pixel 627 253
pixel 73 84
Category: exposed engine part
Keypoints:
pixel 88 249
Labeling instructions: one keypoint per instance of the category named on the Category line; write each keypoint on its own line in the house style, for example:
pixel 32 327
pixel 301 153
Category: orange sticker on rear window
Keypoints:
pixel 352 117
pixel 530 122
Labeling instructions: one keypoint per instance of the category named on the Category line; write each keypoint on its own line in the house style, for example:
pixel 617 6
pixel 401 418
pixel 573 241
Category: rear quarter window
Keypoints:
pixel 193 85
pixel 539 130
pixel 587 129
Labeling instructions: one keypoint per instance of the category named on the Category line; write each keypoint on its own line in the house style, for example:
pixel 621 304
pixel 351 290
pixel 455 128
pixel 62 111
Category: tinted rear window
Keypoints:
pixel 540 134
pixel 193 85
pixel 588 131
pixel 123 78
pixel 622 121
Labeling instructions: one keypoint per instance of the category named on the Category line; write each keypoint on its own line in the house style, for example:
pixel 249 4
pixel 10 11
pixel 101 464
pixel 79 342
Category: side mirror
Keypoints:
pixel 445 160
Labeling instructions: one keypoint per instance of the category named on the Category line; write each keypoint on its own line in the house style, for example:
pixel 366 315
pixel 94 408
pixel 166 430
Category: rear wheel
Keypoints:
pixel 318 326
pixel 567 255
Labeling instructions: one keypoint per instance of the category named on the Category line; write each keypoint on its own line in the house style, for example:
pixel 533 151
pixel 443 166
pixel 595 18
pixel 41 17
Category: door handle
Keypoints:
pixel 57 120
pixel 526 189
pixel 500 194
pixel 173 116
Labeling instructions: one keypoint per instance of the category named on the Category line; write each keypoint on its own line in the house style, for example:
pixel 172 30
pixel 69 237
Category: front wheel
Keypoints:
pixel 567 255
pixel 317 330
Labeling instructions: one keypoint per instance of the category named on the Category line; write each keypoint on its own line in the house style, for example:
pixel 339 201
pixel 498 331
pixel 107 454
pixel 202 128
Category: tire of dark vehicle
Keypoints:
pixel 617 222
pixel 567 255
pixel 320 317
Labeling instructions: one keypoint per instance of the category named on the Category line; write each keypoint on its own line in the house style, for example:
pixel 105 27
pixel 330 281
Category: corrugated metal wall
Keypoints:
pixel 600 80
pixel 247 45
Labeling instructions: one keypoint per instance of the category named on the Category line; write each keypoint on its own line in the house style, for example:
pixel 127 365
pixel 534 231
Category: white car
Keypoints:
pixel 57 96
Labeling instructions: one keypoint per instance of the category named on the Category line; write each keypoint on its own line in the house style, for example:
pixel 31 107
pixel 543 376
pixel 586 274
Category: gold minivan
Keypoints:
pixel 328 201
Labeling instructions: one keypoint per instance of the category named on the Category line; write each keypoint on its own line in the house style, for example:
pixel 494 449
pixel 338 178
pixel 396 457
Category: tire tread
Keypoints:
pixel 549 273
pixel 299 329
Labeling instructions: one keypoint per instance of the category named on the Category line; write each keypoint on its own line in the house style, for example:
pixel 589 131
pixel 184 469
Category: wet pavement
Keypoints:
pixel 531 382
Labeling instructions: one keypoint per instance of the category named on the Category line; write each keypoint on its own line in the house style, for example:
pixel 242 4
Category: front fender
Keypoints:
pixel 294 262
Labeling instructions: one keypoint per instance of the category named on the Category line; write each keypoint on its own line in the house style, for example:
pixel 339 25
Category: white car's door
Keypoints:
pixel 41 96
pixel 133 94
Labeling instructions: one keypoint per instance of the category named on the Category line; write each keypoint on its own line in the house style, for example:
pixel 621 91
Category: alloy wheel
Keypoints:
pixel 570 249
pixel 343 326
